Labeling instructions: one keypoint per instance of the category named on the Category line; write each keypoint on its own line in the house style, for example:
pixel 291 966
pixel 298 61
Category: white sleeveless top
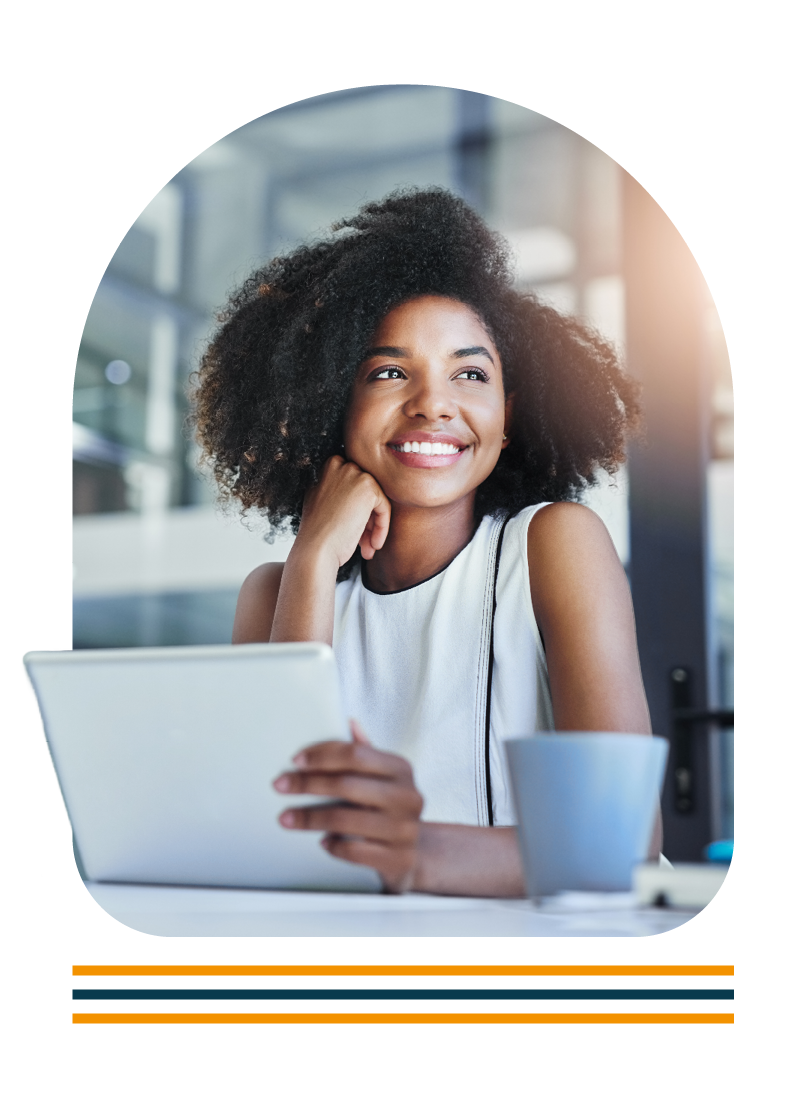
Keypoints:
pixel 414 667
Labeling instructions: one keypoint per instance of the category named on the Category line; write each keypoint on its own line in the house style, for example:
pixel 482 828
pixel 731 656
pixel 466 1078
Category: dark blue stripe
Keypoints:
pixel 403 993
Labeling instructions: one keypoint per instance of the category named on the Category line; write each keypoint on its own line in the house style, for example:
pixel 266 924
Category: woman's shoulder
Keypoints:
pixel 571 556
pixel 568 532
pixel 263 578
pixel 568 520
pixel 255 607
pixel 551 538
pixel 554 524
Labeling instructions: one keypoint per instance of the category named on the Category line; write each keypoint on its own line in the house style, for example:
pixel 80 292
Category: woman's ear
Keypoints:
pixel 509 415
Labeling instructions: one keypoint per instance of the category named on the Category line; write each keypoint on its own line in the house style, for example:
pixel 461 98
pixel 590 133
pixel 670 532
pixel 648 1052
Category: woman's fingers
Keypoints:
pixel 348 820
pixel 357 757
pixel 376 529
pixel 347 507
pixel 373 815
pixel 379 528
pixel 357 732
pixel 380 793
pixel 365 545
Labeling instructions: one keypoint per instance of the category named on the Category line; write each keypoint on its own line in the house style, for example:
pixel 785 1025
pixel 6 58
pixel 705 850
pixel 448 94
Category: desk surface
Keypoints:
pixel 203 912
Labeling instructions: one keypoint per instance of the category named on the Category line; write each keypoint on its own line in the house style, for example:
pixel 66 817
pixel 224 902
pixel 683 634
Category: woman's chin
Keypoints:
pixel 417 488
pixel 426 497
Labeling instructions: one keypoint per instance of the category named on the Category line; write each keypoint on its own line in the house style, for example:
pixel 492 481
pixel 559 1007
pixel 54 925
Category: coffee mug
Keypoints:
pixel 586 804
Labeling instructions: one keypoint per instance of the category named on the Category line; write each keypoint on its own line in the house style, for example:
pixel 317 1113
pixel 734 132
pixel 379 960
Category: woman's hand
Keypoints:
pixel 379 823
pixel 346 508
pixel 296 603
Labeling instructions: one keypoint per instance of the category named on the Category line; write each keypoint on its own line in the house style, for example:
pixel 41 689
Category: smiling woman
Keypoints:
pixel 424 427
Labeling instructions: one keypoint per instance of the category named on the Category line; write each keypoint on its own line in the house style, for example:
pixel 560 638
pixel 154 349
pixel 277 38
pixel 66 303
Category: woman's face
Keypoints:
pixel 428 412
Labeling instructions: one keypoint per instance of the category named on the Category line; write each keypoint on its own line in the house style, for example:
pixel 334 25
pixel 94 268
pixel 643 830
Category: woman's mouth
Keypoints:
pixel 426 448
pixel 424 453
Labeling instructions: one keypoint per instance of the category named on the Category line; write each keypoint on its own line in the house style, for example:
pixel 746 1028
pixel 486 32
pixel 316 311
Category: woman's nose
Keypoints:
pixel 430 398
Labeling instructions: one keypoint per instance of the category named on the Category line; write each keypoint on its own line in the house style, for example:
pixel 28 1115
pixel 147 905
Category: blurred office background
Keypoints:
pixel 157 563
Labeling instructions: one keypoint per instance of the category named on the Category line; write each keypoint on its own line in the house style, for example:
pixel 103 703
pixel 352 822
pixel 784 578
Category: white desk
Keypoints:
pixel 202 912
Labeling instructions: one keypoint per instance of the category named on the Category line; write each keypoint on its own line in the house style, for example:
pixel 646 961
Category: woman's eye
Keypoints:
pixel 472 375
pixel 388 374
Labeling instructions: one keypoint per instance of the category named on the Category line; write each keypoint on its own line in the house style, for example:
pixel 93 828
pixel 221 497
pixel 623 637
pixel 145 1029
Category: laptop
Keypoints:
pixel 166 759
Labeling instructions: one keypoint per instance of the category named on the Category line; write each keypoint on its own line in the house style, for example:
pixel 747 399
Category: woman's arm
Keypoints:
pixel 465 859
pixel 294 602
pixel 582 604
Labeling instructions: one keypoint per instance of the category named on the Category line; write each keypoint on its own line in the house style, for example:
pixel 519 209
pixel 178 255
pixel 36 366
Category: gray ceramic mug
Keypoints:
pixel 586 803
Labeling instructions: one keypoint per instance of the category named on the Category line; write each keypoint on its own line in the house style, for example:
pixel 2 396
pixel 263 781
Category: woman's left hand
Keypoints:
pixel 379 824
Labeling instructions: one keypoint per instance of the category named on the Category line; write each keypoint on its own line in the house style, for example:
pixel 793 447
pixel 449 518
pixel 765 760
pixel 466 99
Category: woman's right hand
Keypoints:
pixel 345 509
pixel 295 601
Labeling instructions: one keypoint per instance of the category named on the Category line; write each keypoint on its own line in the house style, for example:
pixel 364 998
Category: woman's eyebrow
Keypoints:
pixel 387 352
pixel 399 352
pixel 469 351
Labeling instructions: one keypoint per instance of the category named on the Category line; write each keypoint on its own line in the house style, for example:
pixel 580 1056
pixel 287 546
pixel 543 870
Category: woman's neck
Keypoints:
pixel 421 542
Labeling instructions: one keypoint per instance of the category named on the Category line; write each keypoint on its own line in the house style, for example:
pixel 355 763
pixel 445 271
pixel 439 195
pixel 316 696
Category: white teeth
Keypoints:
pixel 427 448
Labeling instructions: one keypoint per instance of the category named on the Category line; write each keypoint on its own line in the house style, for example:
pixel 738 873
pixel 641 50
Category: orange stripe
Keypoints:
pixel 402 970
pixel 410 1018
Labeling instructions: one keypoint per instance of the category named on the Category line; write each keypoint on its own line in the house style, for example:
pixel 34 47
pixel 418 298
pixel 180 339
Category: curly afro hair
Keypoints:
pixel 272 390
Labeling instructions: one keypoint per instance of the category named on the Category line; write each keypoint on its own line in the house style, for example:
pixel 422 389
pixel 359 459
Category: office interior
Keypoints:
pixel 157 562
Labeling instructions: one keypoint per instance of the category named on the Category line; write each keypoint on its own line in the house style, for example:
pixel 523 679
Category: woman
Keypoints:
pixel 425 430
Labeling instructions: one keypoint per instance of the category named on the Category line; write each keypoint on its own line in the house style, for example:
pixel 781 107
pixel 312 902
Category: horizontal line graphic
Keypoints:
pixel 400 993
pixel 402 970
pixel 564 1017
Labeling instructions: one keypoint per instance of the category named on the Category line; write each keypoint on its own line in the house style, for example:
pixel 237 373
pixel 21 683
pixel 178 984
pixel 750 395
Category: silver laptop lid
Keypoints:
pixel 166 759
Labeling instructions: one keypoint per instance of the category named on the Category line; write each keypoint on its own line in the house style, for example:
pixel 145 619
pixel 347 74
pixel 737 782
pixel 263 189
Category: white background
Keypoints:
pixel 103 104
